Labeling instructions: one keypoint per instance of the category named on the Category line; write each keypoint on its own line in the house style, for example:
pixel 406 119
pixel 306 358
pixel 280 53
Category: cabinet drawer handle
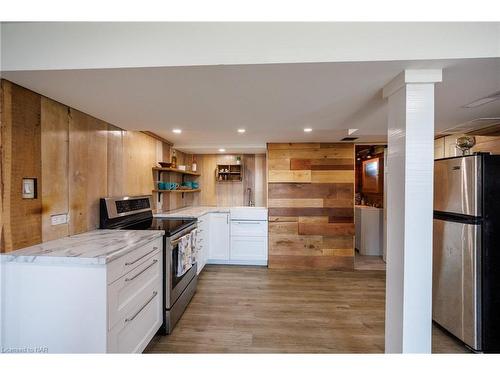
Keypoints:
pixel 155 293
pixel 145 255
pixel 144 270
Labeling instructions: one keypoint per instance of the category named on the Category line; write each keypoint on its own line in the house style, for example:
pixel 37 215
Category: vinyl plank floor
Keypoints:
pixel 258 310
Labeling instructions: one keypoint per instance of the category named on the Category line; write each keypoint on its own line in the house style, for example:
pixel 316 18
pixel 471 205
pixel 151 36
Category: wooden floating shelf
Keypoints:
pixel 177 191
pixel 160 169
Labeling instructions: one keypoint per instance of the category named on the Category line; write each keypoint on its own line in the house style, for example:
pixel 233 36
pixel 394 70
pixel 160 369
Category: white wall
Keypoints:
pixel 34 46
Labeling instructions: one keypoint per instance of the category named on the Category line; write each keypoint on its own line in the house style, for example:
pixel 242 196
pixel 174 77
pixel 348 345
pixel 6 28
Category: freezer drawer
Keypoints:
pixel 457 185
pixel 249 249
pixel 456 279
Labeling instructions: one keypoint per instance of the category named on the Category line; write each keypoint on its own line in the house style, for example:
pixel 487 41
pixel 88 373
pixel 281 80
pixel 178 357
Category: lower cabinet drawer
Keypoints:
pixel 128 293
pixel 132 335
pixel 248 228
pixel 128 262
pixel 248 248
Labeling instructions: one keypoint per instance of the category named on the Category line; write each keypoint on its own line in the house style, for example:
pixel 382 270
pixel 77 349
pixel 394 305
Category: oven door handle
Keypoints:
pixel 175 242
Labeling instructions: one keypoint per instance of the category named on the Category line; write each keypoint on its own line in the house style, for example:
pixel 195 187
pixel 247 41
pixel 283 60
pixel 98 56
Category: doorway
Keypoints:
pixel 369 208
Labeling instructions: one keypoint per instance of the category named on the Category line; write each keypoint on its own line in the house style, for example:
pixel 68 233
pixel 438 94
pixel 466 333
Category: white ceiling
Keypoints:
pixel 273 102
pixel 98 45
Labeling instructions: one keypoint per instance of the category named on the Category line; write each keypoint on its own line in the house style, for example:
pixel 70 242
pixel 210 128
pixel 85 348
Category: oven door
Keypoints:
pixel 175 285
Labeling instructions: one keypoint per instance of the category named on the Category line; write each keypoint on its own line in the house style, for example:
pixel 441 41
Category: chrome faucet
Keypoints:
pixel 250 203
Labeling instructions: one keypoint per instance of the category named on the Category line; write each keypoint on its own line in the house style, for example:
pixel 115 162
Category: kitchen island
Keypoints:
pixel 96 292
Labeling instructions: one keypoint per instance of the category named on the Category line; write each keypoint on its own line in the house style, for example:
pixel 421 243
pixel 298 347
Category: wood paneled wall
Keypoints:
pixel 445 147
pixel 76 159
pixel 311 205
pixel 226 194
pixel 21 141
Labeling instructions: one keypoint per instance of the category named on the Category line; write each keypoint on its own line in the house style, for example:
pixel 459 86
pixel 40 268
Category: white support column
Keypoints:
pixel 408 312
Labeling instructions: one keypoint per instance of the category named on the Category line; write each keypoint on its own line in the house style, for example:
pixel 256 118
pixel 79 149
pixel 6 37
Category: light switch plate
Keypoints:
pixel 58 219
pixel 29 188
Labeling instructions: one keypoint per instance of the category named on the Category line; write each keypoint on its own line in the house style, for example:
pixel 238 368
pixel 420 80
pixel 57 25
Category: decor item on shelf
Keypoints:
pixel 162 185
pixel 357 199
pixel 238 160
pixel 195 185
pixel 171 185
pixel 174 160
pixel 465 143
pixel 194 166
pixel 164 164
pixel 188 184
pixel 181 167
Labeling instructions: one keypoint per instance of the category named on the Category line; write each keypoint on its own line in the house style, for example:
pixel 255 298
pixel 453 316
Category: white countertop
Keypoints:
pixel 198 211
pixel 96 247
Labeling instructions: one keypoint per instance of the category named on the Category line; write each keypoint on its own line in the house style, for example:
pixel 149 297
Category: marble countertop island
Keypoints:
pixel 96 247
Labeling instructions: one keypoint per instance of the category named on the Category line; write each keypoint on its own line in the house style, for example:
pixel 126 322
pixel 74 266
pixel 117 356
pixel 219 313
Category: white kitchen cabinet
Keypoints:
pixel 249 250
pixel 248 242
pixel 203 241
pixel 83 305
pixel 219 241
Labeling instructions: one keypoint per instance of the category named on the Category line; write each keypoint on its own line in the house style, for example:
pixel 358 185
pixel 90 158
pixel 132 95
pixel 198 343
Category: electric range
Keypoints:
pixel 135 213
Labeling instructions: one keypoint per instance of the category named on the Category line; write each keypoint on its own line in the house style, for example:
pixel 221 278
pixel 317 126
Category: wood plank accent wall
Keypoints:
pixel 311 205
pixel 76 159
pixel 21 139
pixel 226 194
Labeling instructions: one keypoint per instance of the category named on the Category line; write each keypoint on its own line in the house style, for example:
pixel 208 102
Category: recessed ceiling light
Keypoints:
pixel 308 130
pixel 241 130
pixel 177 131
pixel 222 150
pixel 490 98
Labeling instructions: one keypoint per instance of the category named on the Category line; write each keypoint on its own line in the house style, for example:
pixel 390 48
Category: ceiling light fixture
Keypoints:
pixel 308 130
pixel 351 131
pixel 488 99
pixel 241 130
pixel 222 150
pixel 177 131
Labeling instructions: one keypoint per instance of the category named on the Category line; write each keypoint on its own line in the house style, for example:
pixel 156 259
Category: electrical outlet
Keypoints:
pixel 58 219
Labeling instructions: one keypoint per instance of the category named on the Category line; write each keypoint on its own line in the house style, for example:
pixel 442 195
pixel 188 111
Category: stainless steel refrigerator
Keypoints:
pixel 466 249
